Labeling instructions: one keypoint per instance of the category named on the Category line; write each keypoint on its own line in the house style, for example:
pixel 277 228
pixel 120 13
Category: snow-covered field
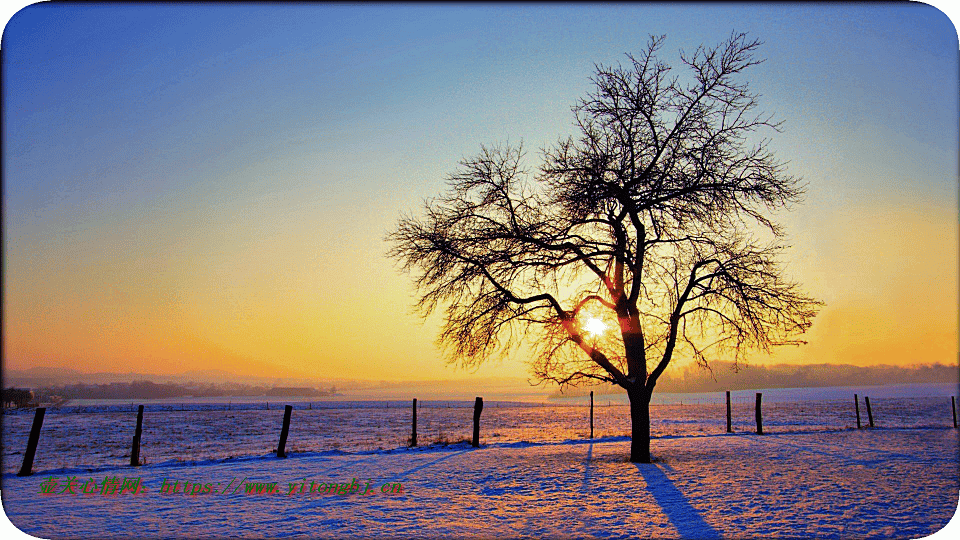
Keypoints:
pixel 812 475
pixel 99 434
pixel 846 483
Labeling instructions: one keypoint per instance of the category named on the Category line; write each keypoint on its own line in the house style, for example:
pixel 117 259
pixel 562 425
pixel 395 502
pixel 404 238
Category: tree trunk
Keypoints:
pixel 640 423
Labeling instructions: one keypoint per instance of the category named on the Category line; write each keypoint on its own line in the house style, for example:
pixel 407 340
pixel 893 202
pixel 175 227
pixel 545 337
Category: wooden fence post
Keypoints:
pixel 591 414
pixel 953 409
pixel 135 449
pixel 27 468
pixel 477 408
pixel 283 431
pixel 856 405
pixel 759 415
pixel 729 415
pixel 869 411
pixel 413 438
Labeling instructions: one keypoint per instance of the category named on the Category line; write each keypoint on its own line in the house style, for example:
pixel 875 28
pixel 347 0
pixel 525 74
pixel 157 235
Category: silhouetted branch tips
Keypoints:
pixel 281 448
pixel 26 468
pixel 759 415
pixel 477 409
pixel 135 447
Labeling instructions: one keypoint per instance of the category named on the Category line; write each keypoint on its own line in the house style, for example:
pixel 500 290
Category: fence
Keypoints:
pixel 101 436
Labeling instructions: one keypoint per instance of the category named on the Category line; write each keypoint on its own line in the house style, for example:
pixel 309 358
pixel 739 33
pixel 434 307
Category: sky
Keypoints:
pixel 209 186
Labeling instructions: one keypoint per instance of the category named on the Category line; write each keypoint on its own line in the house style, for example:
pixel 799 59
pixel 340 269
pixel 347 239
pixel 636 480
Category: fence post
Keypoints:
pixel 869 411
pixel 953 409
pixel 27 468
pixel 759 415
pixel 413 439
pixel 135 449
pixel 856 405
pixel 477 408
pixel 283 432
pixel 729 415
pixel 591 414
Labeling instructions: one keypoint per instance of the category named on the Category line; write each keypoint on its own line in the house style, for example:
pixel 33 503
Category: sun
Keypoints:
pixel 594 326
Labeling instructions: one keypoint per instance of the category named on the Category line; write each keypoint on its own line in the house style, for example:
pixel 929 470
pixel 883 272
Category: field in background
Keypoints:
pixel 98 435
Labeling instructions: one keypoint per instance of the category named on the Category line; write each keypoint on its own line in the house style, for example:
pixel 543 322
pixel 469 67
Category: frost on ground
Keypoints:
pixel 883 483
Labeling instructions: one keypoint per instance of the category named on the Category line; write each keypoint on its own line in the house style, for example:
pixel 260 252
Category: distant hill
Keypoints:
pixel 73 384
pixel 724 376
pixel 214 382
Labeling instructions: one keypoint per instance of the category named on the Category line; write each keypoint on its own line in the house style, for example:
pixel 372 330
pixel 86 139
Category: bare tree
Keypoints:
pixel 652 220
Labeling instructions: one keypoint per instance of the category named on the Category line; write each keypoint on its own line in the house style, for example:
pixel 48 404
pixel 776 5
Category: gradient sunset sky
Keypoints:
pixel 209 186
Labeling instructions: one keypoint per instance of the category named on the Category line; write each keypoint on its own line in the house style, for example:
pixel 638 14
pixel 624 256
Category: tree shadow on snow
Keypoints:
pixel 403 475
pixel 681 514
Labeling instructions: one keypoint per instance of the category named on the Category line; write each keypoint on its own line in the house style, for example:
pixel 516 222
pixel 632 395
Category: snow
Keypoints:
pixel 93 436
pixel 817 483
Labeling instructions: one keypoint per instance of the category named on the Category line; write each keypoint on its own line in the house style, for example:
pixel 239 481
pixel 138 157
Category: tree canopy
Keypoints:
pixel 655 218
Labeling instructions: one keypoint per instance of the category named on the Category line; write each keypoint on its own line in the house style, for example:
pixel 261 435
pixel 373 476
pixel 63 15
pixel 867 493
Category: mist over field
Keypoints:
pixel 724 376
pixel 681 379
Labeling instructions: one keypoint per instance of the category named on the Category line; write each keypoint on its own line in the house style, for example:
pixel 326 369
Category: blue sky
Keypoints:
pixel 210 184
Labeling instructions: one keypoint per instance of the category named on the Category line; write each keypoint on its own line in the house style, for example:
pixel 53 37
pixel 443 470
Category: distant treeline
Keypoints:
pixel 16 397
pixel 724 377
pixel 151 390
